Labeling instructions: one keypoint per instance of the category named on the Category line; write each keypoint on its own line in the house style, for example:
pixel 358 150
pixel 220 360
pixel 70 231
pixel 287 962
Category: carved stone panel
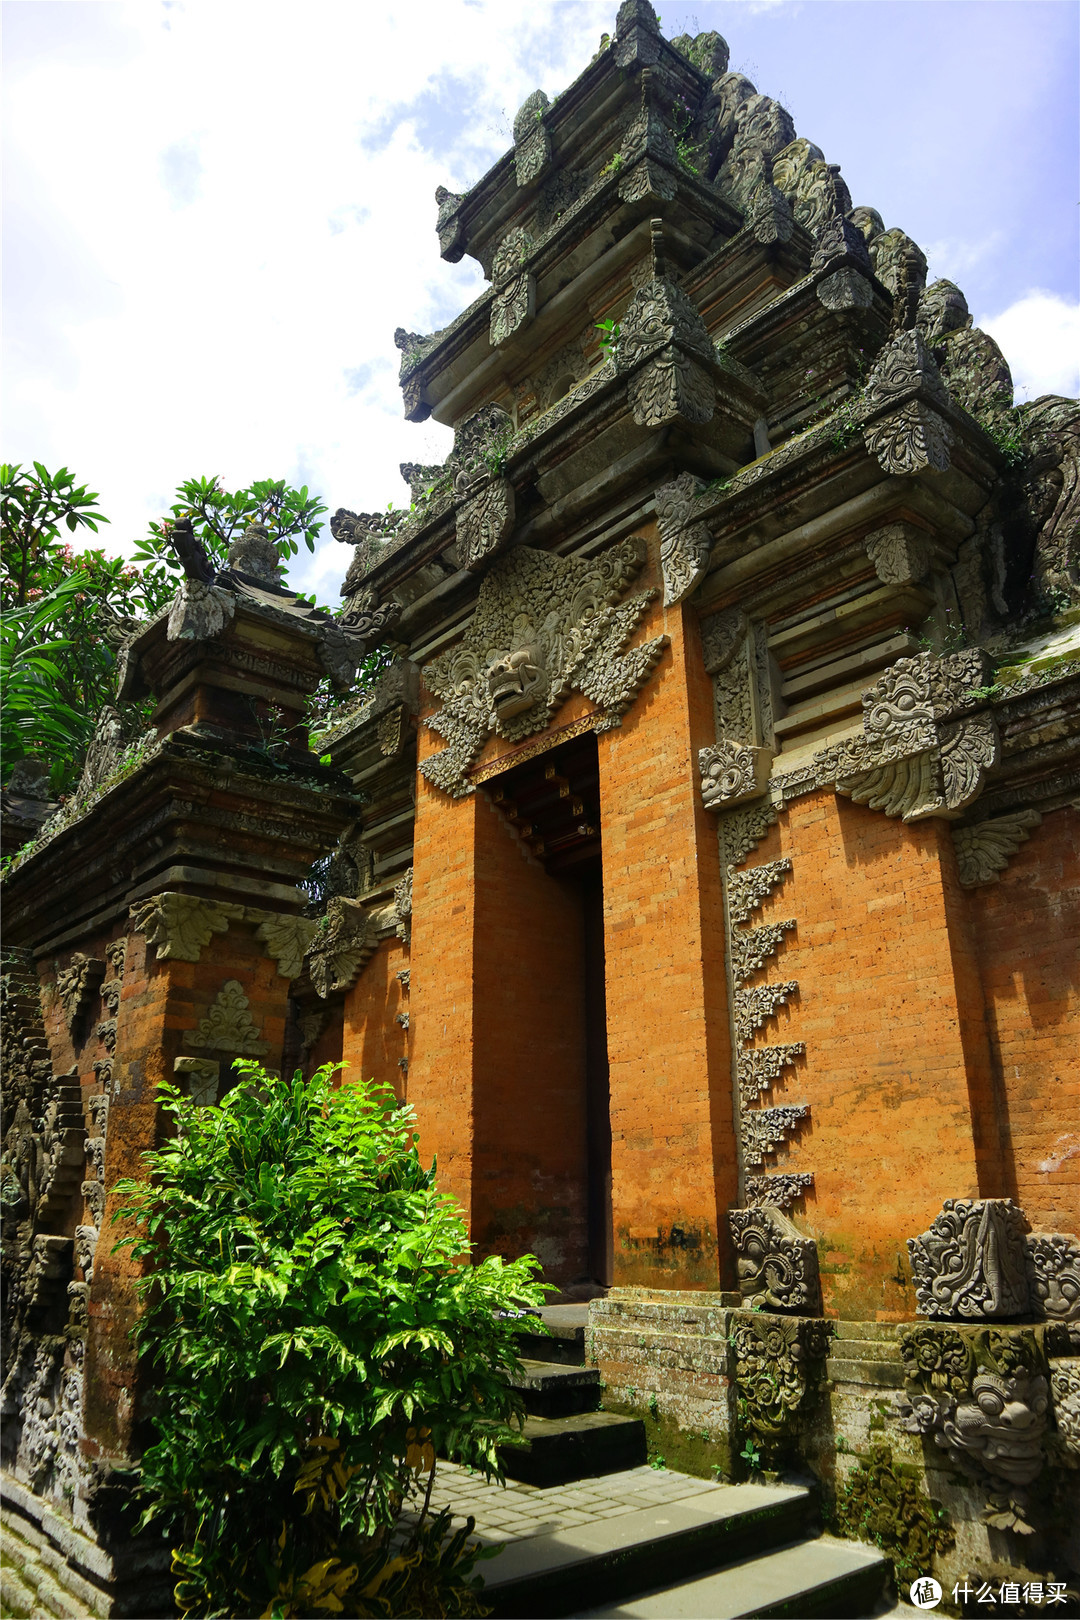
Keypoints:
pixel 285 937
pixel 984 850
pixel 1065 1399
pixel 732 772
pixel 485 522
pixel 1054 1275
pixel 76 983
pixel 202 1076
pixel 972 1263
pixel 544 626
pixel 684 546
pixel 777 1266
pixel 229 1026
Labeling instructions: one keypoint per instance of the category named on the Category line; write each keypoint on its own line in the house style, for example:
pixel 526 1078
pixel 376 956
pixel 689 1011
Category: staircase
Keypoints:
pixel 628 1540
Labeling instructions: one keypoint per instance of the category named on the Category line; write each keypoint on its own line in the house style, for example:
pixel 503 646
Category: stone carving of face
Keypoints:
pixel 515 681
pixel 1003 1426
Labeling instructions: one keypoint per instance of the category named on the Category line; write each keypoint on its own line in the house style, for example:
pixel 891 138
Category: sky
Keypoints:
pixel 216 212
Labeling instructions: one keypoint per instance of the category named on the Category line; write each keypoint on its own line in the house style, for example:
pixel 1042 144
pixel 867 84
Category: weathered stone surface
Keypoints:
pixel 1054 1275
pixel 972 1263
pixel 777 1266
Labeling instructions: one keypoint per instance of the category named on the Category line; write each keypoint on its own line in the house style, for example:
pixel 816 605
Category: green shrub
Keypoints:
pixel 315 1337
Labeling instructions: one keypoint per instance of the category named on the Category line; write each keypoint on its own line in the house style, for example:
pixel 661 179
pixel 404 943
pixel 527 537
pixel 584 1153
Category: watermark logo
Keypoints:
pixel 925 1592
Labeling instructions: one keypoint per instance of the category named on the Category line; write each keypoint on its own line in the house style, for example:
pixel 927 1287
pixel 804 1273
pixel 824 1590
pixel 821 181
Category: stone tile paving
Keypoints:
pixel 513 1511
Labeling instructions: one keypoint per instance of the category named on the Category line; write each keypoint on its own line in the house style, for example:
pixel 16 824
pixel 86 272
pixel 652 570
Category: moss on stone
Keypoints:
pixel 699 1452
pixel 882 1501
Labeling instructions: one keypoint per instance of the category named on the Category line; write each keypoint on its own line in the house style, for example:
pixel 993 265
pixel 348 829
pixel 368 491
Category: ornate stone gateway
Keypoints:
pixel 701 866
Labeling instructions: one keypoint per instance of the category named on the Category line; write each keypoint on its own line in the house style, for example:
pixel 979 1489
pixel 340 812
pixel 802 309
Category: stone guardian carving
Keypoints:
pixel 777 1266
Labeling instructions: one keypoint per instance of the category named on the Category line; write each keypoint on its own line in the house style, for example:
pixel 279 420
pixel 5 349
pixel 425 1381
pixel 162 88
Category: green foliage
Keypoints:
pixel 685 149
pixel 220 516
pixel 658 1461
pixel 66 614
pixel 1007 431
pixel 751 1455
pixel 34 506
pixel 609 337
pixel 315 1339
pixel 880 1503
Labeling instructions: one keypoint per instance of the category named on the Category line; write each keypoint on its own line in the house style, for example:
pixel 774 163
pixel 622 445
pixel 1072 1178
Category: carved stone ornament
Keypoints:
pixel 783 1188
pixel 754 1007
pixel 753 948
pixel 103 754
pixel 76 983
pixel 339 654
pixel 1065 1400
pixel 665 344
pixel 760 1067
pixel 512 307
pixel 972 1263
pixel 202 1076
pixel 200 611
pixel 229 1026
pixel 177 926
pixel 544 627
pixel 1054 1275
pixel 684 546
pixel 367 620
pixel 721 637
pixel 749 890
pixel 286 939
pixel 403 896
pixel 901 553
pixel 984 1396
pixel 925 748
pixel 777 1266
pixel 532 142
pixel 732 772
pixel 778 1362
pixel 343 942
pixel 485 522
pixel 985 849
pixel 906 433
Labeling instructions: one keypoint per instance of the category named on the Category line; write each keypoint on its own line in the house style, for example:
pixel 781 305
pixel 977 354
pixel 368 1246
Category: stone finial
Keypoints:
pixel 972 1262
pixel 777 1266
pixel 256 555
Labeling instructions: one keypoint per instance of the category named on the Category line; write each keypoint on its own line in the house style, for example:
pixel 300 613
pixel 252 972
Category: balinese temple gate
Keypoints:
pixel 706 858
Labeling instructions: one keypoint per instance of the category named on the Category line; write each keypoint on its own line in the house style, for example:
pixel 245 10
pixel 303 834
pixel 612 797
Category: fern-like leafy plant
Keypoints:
pixel 315 1339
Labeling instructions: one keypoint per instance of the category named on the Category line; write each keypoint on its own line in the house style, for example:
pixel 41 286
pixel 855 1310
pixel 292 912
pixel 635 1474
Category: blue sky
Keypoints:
pixel 217 212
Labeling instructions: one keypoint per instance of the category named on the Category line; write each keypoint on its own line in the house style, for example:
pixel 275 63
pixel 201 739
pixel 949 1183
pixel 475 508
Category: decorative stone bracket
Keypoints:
pixel 178 926
pixel 927 743
pixel 671 363
pixel 777 1266
pixel 76 983
pixel 901 409
pixel 977 1263
pixel 732 772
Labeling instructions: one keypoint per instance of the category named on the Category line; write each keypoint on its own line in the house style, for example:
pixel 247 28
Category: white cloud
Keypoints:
pixel 235 211
pixel 1039 336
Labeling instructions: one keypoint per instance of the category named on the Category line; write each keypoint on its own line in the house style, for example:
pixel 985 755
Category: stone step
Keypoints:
pixel 825 1577
pixel 607 1559
pixel 882 1374
pixel 553 1391
pixel 866 1330
pixel 866 1350
pixel 580 1447
pixel 564 1341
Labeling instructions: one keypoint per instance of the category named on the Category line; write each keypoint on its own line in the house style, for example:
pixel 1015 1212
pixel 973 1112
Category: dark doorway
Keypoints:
pixel 553 803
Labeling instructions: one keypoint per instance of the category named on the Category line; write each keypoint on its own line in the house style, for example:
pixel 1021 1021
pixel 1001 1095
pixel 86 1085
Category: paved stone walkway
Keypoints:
pixel 513 1511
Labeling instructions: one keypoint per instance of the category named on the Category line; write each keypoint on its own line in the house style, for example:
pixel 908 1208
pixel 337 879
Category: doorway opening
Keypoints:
pixel 553 803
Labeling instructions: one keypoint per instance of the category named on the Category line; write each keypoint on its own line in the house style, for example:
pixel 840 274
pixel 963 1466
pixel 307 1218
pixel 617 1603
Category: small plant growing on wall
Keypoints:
pixel 315 1340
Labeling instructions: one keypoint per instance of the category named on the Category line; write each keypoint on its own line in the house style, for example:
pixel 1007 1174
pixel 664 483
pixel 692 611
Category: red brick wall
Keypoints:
pixel 1026 929
pixel 896 1062
pixel 673 1151
pixel 372 1042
